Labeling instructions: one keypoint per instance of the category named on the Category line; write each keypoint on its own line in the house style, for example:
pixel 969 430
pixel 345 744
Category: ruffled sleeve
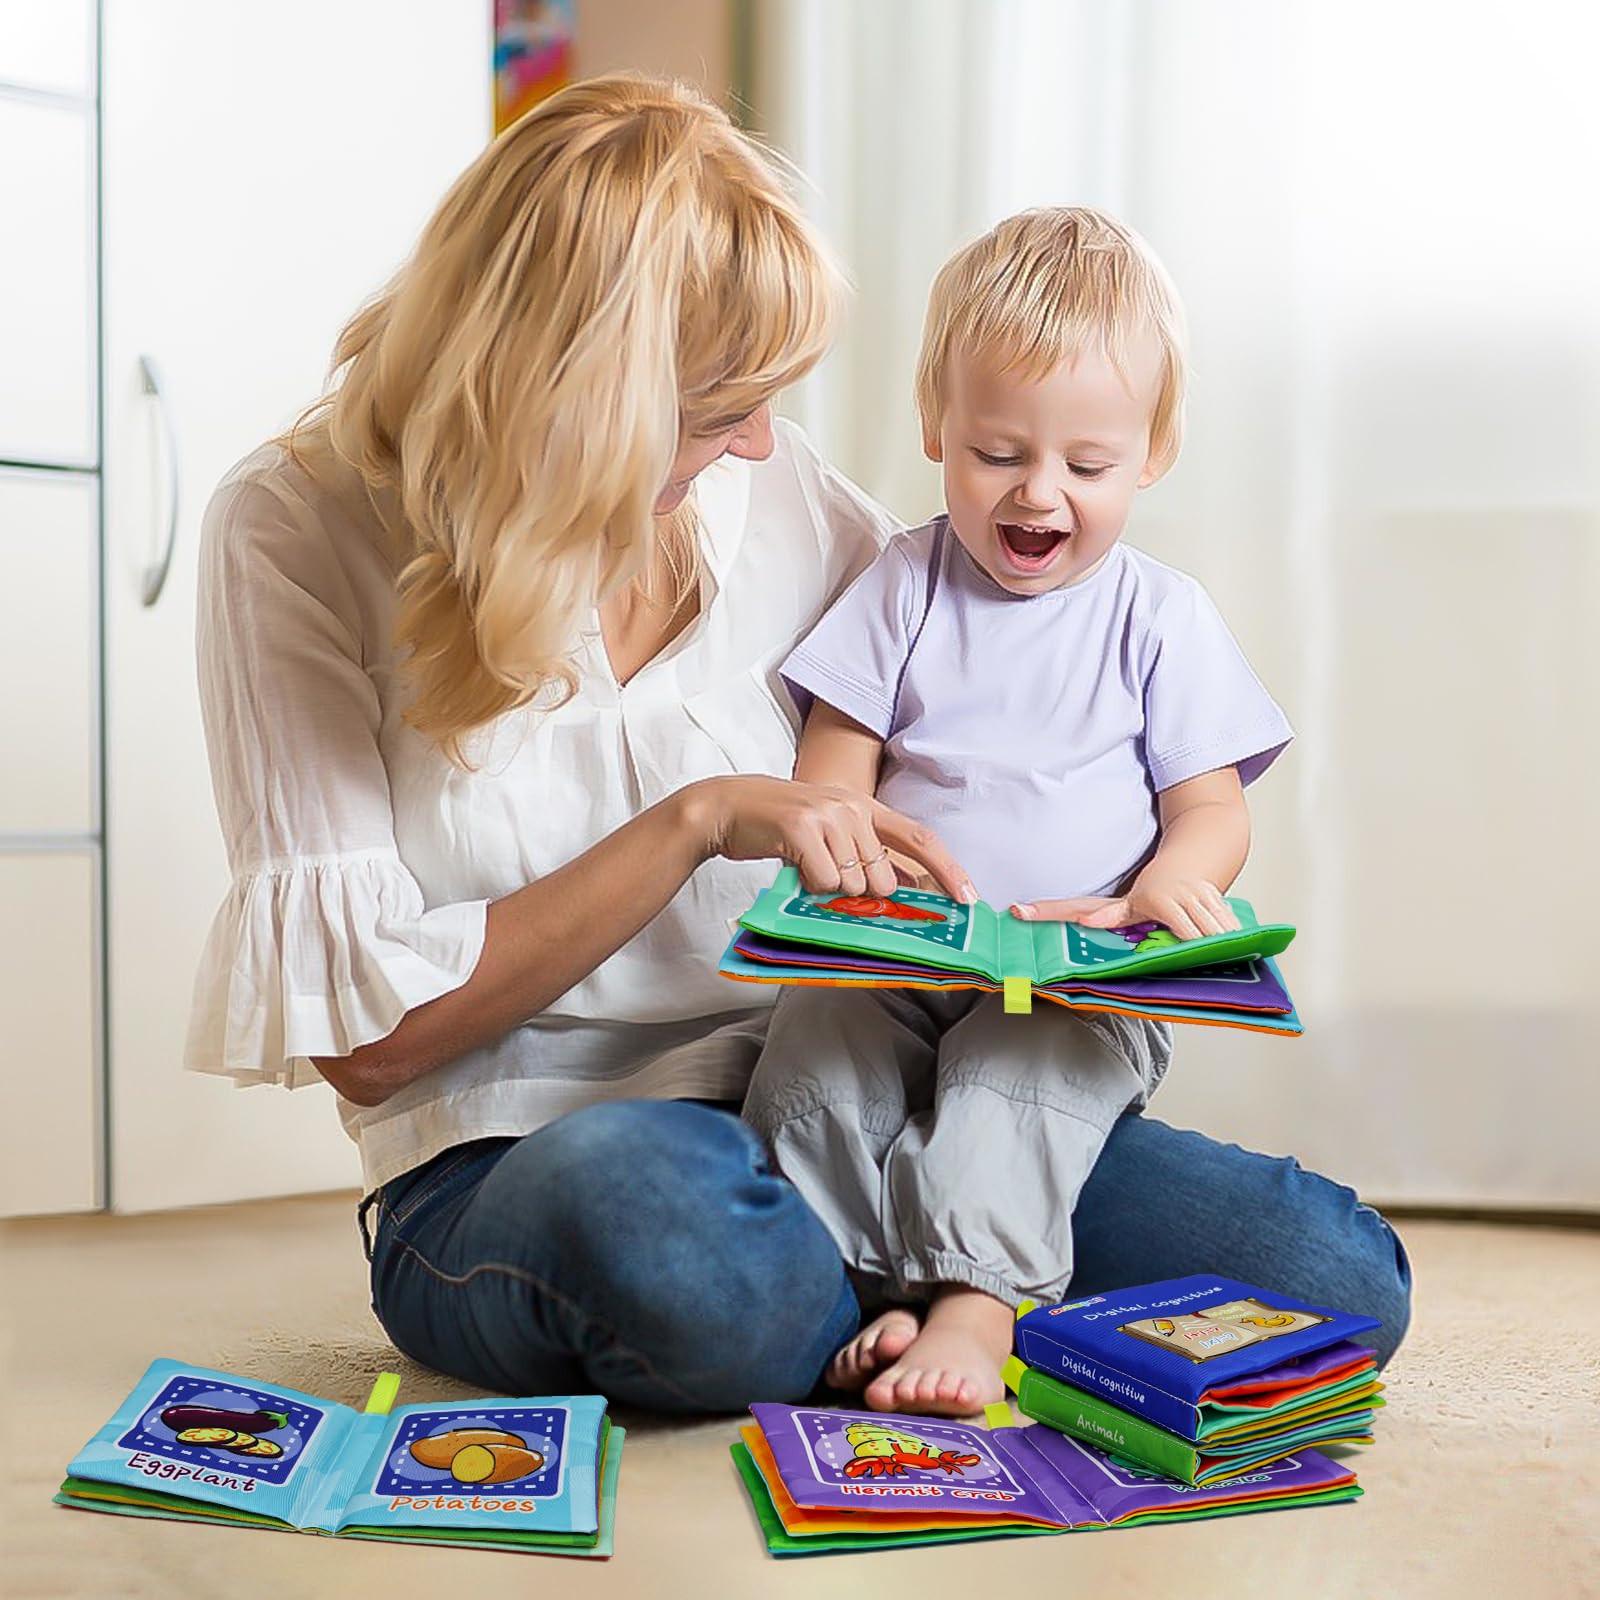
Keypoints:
pixel 324 940
pixel 317 958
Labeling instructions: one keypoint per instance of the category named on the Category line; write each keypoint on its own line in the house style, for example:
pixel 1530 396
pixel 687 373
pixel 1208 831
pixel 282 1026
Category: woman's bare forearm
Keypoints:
pixel 538 942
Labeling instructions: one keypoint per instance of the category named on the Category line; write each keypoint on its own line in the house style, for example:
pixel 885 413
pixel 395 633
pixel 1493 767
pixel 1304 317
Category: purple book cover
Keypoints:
pixel 880 1462
pixel 1299 1368
pixel 1109 1490
pixel 1236 986
pixel 877 1461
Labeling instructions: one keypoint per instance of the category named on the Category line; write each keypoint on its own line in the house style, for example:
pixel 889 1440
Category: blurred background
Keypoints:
pixel 1377 217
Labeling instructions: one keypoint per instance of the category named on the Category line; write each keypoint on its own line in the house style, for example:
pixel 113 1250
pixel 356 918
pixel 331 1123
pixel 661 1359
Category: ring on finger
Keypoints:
pixel 872 861
pixel 845 866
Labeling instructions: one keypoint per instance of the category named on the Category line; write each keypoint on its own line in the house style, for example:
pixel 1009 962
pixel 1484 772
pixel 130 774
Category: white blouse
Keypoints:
pixel 363 859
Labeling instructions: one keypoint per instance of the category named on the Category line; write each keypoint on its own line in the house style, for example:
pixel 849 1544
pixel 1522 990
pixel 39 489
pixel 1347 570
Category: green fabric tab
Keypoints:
pixel 1018 997
pixel 384 1394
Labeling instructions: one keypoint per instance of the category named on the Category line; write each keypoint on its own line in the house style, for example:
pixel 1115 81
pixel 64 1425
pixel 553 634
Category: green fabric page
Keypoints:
pixel 780 1542
pixel 1066 950
pixel 1217 1421
pixel 119 1509
pixel 1358 1412
pixel 85 1493
pixel 1356 1425
pixel 955 938
pixel 1286 1502
pixel 1071 1410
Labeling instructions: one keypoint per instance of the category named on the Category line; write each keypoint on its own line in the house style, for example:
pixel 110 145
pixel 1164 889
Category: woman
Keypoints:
pixel 490 706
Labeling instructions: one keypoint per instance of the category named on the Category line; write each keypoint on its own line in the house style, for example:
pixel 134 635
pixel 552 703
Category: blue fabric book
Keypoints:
pixel 1163 1351
pixel 194 1444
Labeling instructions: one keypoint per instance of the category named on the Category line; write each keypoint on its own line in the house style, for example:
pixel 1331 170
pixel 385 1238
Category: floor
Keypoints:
pixel 1485 1479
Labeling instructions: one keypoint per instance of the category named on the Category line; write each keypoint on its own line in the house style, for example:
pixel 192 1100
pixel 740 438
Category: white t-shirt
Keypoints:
pixel 363 859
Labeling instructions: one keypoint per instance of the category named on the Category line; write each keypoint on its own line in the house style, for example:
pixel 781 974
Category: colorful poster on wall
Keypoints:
pixel 532 54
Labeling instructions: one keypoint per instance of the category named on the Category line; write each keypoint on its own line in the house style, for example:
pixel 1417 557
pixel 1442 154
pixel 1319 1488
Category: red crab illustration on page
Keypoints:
pixel 872 905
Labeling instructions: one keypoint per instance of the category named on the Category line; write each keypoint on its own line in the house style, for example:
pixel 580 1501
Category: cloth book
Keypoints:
pixel 191 1443
pixel 916 938
pixel 823 1481
pixel 1201 1378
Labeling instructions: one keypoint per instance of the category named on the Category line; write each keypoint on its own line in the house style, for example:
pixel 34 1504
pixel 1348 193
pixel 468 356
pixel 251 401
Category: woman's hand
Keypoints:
pixel 841 841
pixel 1190 907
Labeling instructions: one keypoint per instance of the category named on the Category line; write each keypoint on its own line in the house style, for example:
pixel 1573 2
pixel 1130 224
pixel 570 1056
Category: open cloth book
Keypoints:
pixel 856 1480
pixel 203 1446
pixel 919 939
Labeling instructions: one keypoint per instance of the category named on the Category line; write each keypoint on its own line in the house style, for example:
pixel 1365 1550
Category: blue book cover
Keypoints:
pixel 1159 1349
pixel 508 1473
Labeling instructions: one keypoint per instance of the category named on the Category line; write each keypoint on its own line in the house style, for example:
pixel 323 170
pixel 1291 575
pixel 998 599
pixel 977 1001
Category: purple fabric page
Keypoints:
pixel 1301 1368
pixel 878 1461
pixel 1112 1489
pixel 1238 986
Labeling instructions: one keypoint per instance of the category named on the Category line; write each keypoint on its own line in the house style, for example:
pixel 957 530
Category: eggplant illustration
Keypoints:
pixel 182 1418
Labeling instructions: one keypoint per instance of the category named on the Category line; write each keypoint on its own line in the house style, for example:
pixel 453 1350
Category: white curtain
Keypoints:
pixel 1383 221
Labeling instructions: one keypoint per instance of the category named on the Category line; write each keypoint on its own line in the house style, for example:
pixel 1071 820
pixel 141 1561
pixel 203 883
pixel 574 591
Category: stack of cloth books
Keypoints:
pixel 1202 1379
pixel 1187 1399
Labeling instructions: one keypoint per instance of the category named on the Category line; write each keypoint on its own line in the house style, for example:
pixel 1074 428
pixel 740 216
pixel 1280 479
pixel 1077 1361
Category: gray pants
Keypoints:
pixel 940 1140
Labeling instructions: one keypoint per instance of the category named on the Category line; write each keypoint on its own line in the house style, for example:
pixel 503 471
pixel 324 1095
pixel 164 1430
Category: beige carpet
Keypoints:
pixel 1485 1481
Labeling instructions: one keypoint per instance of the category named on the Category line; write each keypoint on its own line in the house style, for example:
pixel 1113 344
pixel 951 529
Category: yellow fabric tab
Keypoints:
pixel 1018 997
pixel 384 1394
pixel 1025 1306
pixel 997 1414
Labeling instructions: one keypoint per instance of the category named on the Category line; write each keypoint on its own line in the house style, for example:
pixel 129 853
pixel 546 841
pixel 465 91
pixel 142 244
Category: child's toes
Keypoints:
pixel 906 1383
pixel 882 1394
pixel 843 1365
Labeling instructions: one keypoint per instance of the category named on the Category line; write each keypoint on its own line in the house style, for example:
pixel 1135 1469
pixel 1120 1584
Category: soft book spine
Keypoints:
pixel 1107 1427
pixel 1097 1378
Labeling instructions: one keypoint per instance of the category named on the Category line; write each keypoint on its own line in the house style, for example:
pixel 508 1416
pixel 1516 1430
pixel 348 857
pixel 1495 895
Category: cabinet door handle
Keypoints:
pixel 155 575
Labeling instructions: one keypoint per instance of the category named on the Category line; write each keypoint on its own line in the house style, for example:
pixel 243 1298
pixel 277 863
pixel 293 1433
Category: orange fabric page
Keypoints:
pixel 1255 1392
pixel 798 1522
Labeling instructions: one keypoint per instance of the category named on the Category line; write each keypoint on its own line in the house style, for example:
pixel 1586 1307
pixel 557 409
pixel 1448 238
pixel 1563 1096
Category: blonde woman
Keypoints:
pixel 488 652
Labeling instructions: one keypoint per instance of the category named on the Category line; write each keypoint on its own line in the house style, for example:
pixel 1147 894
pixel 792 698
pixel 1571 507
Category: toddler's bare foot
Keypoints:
pixel 880 1342
pixel 951 1368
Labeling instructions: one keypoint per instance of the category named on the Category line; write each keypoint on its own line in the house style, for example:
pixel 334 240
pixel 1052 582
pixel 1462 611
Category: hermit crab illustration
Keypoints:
pixel 882 1452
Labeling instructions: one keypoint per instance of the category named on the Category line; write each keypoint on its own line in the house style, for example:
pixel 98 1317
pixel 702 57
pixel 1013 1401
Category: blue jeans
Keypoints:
pixel 646 1250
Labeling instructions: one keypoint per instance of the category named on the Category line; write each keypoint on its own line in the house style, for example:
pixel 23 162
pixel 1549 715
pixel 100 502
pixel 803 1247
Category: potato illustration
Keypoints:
pixel 440 1449
pixel 493 1463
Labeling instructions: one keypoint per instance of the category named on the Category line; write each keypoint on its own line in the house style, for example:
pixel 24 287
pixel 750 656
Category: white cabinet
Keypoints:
pixel 48 46
pixel 51 1037
pixel 49 653
pixel 47 332
pixel 50 1156
pixel 264 170
pixel 247 213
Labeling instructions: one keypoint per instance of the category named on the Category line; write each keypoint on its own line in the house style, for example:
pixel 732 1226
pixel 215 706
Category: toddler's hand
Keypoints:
pixel 1190 907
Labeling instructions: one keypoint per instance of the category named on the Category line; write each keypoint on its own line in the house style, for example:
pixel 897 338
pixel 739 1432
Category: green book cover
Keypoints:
pixel 1131 1438
pixel 934 931
pixel 1095 1421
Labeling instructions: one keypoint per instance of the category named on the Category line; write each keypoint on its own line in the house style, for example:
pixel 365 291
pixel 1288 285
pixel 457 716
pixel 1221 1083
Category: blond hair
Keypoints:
pixel 1039 288
pixel 620 266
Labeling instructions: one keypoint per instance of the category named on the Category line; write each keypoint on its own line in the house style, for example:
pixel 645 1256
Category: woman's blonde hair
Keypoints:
pixel 1042 286
pixel 619 266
